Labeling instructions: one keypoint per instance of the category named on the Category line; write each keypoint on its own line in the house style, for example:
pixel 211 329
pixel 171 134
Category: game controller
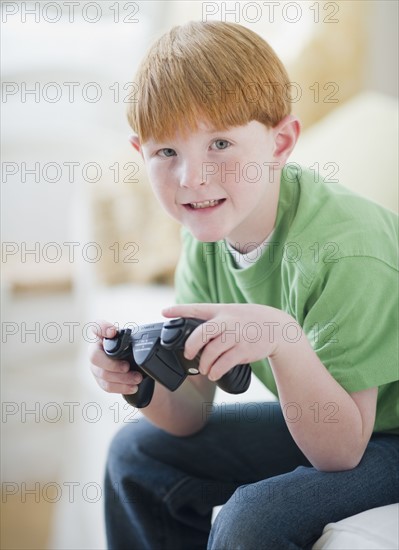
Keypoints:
pixel 157 352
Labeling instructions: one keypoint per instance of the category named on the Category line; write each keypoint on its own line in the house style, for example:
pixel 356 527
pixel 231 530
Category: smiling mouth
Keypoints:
pixel 204 204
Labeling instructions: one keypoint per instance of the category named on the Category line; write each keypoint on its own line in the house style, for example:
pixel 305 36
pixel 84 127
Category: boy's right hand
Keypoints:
pixel 112 376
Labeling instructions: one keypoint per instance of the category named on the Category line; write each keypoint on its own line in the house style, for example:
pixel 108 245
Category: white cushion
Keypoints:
pixel 374 529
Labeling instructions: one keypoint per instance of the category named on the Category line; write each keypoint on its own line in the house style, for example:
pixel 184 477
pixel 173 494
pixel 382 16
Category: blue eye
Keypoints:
pixel 221 144
pixel 167 152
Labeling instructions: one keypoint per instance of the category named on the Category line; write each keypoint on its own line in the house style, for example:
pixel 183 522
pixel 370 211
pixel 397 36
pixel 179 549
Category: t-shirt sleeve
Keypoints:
pixel 352 322
pixel 191 281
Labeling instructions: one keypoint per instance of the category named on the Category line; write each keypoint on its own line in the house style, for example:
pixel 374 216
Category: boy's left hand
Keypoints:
pixel 232 334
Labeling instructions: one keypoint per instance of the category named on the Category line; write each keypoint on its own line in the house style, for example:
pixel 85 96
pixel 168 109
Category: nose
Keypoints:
pixel 191 175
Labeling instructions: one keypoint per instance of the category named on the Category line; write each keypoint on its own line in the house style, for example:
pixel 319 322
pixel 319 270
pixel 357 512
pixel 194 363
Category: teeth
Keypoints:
pixel 204 204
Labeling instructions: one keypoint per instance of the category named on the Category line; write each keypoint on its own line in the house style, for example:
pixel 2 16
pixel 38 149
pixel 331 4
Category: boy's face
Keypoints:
pixel 238 170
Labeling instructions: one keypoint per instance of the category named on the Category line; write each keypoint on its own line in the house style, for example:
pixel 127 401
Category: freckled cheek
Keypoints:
pixel 166 195
pixel 158 183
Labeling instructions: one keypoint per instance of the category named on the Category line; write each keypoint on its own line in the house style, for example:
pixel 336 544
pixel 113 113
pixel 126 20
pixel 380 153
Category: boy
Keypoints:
pixel 297 278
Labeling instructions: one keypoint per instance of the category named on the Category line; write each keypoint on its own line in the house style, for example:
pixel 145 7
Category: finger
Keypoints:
pixel 129 378
pixel 212 353
pixel 223 364
pixel 200 337
pixel 99 358
pixel 200 311
pixel 112 387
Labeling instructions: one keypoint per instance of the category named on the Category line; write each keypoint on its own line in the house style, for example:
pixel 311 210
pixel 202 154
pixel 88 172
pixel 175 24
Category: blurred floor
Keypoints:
pixel 38 376
pixel 25 526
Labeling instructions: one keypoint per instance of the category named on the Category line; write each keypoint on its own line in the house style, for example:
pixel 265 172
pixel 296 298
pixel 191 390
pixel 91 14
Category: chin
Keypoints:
pixel 207 236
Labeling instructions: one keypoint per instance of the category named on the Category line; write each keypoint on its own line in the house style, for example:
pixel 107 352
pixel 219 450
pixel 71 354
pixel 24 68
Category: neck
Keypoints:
pixel 253 232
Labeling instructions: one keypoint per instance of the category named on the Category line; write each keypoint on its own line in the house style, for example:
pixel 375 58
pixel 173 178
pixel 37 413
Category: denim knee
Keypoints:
pixel 140 463
pixel 123 451
pixel 124 464
pixel 253 519
pixel 234 528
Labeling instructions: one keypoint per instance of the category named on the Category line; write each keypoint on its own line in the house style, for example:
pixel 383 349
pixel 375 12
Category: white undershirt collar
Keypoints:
pixel 248 259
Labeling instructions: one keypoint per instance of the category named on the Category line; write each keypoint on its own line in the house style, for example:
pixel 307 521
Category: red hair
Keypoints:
pixel 219 73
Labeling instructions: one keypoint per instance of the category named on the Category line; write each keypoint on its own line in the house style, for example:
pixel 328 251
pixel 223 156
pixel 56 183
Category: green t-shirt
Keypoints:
pixel 332 264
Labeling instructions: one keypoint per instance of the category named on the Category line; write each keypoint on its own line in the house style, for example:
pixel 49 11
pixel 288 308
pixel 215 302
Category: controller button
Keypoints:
pixel 170 335
pixel 193 370
pixel 110 345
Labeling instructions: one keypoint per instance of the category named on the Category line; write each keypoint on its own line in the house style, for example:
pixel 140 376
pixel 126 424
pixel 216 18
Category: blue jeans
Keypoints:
pixel 160 489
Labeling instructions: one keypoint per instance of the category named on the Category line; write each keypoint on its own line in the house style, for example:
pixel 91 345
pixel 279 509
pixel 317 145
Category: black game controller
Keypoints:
pixel 157 352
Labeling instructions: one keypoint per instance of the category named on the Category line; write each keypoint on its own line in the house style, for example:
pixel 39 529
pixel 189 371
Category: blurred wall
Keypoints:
pixel 381 70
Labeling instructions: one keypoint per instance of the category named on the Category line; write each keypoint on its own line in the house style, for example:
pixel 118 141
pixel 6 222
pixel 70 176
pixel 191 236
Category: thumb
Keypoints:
pixel 104 329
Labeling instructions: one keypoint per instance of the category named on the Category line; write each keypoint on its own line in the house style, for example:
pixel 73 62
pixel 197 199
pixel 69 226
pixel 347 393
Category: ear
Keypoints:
pixel 135 141
pixel 286 134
